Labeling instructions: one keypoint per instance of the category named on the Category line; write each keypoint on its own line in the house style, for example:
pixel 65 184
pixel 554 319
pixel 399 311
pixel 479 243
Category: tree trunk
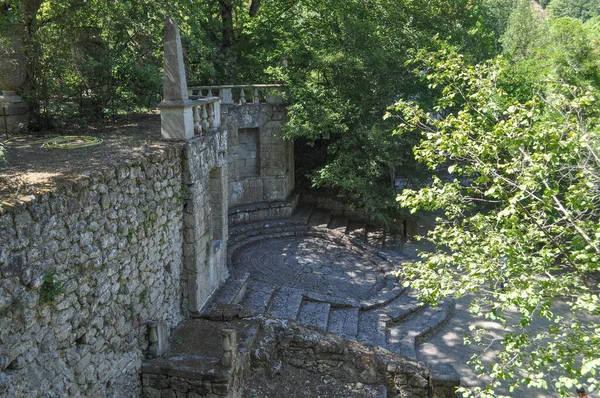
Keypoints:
pixel 254 6
pixel 226 7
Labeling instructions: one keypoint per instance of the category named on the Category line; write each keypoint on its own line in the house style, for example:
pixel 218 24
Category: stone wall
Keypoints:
pixel 205 220
pixel 261 163
pixel 82 271
pixel 325 354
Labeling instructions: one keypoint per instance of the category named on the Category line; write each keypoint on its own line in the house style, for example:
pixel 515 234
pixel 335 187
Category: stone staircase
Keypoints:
pixel 316 269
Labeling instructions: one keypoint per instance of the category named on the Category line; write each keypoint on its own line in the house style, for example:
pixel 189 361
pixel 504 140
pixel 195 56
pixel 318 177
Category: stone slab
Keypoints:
pixel 258 297
pixel 344 322
pixel 314 313
pixel 372 328
pixel 286 303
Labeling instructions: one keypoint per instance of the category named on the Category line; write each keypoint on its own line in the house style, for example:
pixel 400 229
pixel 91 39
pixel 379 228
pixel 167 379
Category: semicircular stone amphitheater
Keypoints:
pixel 313 268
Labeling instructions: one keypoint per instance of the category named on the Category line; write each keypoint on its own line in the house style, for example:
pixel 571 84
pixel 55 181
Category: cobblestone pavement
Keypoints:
pixel 311 264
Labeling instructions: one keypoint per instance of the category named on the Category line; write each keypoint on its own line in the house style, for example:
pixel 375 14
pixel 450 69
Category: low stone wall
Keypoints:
pixel 327 354
pixel 337 208
pixel 82 271
pixel 262 211
pixel 320 200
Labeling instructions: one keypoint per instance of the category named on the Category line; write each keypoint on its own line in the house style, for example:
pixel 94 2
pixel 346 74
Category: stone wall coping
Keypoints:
pixel 82 181
pixel 193 101
pixel 264 85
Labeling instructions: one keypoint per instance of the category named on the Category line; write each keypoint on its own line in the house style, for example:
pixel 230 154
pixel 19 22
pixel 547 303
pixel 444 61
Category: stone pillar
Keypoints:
pixel 177 117
pixel 13 76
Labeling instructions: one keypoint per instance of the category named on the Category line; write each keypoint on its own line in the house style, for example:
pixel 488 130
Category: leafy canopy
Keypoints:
pixel 518 191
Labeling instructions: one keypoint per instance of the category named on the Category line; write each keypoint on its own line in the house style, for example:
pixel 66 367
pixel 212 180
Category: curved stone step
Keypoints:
pixel 391 292
pixel 314 313
pixel 344 322
pixel 278 222
pixel 286 303
pixel 232 292
pixel 339 223
pixel 372 328
pixel 403 336
pixel 355 228
pixel 258 296
pixel 319 218
pixel 303 212
pixel 265 232
pixel 403 306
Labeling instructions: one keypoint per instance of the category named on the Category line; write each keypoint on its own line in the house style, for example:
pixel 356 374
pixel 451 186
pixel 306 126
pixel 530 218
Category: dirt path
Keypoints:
pixel 31 169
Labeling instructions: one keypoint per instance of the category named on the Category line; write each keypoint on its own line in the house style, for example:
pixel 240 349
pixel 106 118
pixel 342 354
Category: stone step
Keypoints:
pixel 241 229
pixel 286 303
pixel 303 212
pixel 403 336
pixel 265 233
pixel 233 247
pixel 339 223
pixel 372 328
pixel 387 295
pixel 232 292
pixel 258 297
pixel 344 322
pixel 355 228
pixel 314 313
pixel 403 306
pixel 319 218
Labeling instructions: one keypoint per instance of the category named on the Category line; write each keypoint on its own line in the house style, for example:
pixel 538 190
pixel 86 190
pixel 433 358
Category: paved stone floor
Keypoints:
pixel 311 264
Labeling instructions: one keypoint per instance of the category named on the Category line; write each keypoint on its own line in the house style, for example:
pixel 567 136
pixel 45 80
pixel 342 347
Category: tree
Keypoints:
pixel 522 31
pixel 580 9
pixel 521 208
pixel 344 62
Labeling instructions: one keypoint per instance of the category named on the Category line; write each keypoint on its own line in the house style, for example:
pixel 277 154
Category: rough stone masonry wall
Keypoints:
pixel 327 354
pixel 261 163
pixel 82 271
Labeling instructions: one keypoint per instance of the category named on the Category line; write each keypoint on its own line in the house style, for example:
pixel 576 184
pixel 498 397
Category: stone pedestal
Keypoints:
pixel 13 114
pixel 177 120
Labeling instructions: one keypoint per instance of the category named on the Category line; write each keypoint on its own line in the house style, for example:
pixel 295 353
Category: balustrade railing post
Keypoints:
pixel 242 96
pixel 256 97
pixel 211 116
pixel 204 117
pixel 197 125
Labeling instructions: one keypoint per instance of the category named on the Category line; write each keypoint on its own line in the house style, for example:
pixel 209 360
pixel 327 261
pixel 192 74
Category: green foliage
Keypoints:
pixel 50 287
pixel 520 225
pixel 580 9
pixel 497 13
pixel 344 62
pixel 522 31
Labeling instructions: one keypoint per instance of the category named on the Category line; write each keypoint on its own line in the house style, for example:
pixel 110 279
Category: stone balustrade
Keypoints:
pixel 207 114
pixel 243 94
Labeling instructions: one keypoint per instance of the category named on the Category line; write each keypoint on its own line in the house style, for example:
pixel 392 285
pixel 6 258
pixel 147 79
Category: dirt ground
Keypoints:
pixel 31 169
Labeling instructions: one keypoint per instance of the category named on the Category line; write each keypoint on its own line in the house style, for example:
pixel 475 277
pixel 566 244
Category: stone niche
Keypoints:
pixel 261 163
